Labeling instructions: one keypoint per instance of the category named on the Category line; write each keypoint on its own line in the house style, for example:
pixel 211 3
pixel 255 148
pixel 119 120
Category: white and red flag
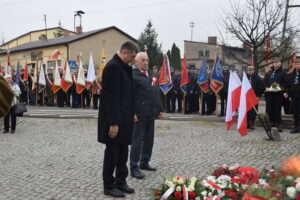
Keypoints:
pixel 80 82
pixel 66 81
pixel 233 99
pixel 91 76
pixel 247 101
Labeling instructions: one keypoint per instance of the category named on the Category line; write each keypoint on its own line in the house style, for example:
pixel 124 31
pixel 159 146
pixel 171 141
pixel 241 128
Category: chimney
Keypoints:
pixel 212 40
pixel 78 29
pixel 66 33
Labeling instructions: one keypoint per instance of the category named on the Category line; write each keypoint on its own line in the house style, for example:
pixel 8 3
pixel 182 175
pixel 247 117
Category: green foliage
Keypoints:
pixel 149 38
pixel 175 57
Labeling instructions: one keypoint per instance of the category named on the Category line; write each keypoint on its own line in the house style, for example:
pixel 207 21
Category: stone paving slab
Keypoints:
pixel 60 159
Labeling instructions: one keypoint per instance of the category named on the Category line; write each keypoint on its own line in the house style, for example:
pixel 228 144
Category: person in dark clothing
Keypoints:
pixel 194 98
pixel 60 95
pixel 86 95
pixel 23 88
pixel 116 119
pixel 49 92
pixel 75 96
pixel 258 86
pixel 32 95
pixel 275 81
pixel 178 92
pixel 224 91
pixel 209 98
pixel 147 107
pixel 293 88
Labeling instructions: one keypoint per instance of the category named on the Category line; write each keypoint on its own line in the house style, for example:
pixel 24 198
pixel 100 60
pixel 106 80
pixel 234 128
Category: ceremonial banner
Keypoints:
pixel 165 80
pixel 184 76
pixel 56 84
pixel 66 81
pixel 80 83
pixel 91 77
pixel 42 80
pixel 203 78
pixel 216 83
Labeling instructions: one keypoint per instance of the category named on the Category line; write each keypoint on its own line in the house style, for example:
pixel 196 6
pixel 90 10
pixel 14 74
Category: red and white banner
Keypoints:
pixel 247 101
pixel 233 98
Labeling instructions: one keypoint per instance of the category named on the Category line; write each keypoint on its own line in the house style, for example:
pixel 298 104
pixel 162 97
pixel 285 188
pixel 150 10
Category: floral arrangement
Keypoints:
pixel 275 87
pixel 237 183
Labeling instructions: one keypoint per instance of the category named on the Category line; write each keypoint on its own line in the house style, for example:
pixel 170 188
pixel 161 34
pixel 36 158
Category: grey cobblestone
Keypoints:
pixel 60 159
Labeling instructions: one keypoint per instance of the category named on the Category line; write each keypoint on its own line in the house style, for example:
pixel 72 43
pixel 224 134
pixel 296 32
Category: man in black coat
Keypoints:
pixel 293 87
pixel 258 86
pixel 115 123
pixel 224 90
pixel 178 92
pixel 147 107
pixel 274 97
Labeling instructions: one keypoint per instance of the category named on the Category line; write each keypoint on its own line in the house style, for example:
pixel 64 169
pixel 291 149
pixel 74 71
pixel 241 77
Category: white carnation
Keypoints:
pixel 289 178
pixel 262 182
pixel 204 193
pixel 291 192
pixel 169 183
pixel 298 186
pixel 178 188
pixel 211 178
pixel 191 188
pixel 297 180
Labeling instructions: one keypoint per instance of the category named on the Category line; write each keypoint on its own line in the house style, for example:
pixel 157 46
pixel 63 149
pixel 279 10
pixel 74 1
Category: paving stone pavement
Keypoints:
pixel 60 159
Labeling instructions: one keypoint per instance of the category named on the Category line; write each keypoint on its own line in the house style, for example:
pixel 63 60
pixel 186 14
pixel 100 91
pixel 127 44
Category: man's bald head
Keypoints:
pixel 141 61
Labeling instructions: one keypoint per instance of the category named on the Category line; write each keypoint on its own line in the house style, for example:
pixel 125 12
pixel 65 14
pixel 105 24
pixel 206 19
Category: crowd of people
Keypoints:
pixel 130 100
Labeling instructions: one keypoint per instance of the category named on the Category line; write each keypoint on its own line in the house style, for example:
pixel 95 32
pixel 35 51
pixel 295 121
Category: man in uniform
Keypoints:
pixel 177 91
pixel 224 90
pixel 275 81
pixel 209 98
pixel 258 86
pixel 293 87
pixel 116 118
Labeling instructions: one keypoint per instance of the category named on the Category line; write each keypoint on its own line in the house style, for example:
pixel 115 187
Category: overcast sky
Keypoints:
pixel 171 18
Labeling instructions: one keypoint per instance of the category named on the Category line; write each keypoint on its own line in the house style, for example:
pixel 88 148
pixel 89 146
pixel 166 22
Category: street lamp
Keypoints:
pixel 78 13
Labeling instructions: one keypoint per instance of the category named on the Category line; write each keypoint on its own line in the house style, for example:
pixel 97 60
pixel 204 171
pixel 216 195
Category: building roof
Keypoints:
pixel 206 43
pixel 64 40
pixel 34 32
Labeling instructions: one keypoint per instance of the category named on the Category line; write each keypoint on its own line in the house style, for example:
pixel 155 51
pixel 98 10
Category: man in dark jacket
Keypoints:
pixel 293 87
pixel 115 123
pixel 224 91
pixel 178 92
pixel 274 95
pixel 147 107
pixel 258 86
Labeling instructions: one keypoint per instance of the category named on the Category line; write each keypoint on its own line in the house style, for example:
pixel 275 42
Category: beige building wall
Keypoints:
pixel 25 56
pixel 113 41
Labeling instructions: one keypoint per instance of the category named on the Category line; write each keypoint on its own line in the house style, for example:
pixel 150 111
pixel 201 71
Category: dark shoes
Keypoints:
pixel 12 131
pixel 136 173
pixel 125 188
pixel 114 192
pixel 294 131
pixel 147 168
pixel 6 131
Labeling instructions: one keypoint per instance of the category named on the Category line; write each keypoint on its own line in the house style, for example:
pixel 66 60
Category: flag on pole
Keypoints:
pixel 25 75
pixel 165 80
pixel 80 82
pixel 102 65
pixel 292 66
pixel 35 78
pixel 55 54
pixel 202 77
pixel 91 77
pixel 8 69
pixel 66 81
pixel 42 80
pixel 216 83
pixel 233 98
pixel 268 50
pixel 184 76
pixel 248 100
pixel 56 84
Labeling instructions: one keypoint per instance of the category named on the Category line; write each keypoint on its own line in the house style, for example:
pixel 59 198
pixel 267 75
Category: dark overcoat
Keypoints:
pixel 116 102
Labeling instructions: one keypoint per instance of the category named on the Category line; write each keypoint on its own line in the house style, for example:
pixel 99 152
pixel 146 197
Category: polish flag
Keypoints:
pixel 233 99
pixel 56 84
pixel 55 54
pixel 91 77
pixel 247 101
pixel 66 81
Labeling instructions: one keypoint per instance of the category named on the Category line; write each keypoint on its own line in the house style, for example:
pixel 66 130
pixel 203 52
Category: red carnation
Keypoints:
pixel 156 192
pixel 192 195
pixel 178 195
pixel 248 175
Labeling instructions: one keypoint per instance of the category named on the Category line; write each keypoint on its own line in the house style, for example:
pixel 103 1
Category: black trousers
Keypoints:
pixel 10 117
pixel 95 100
pixel 223 97
pixel 86 98
pixel 274 103
pixel 178 98
pixel 194 102
pixel 115 159
pixel 170 101
pixel 142 143
pixel 209 103
pixel 296 111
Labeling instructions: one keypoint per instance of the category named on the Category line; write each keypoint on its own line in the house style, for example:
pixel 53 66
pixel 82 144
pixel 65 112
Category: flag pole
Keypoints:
pixel 36 89
pixel 43 98
pixel 266 126
pixel 217 98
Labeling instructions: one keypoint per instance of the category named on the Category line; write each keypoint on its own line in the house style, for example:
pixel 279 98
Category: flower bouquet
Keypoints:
pixel 275 87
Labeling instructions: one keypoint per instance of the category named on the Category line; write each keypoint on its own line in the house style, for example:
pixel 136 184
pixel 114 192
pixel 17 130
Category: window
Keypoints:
pixel 203 53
